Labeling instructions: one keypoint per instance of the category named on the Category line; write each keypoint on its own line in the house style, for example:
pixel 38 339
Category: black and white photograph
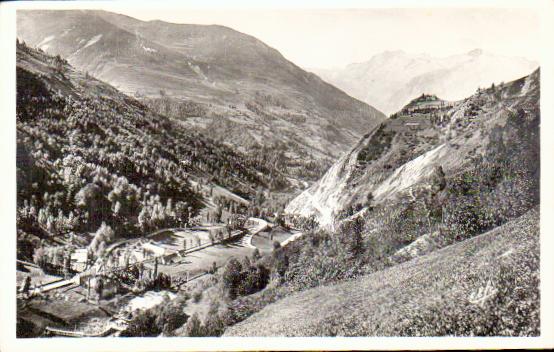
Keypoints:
pixel 179 172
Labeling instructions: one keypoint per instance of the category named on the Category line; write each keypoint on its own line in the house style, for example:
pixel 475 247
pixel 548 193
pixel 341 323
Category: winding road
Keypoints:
pixel 259 226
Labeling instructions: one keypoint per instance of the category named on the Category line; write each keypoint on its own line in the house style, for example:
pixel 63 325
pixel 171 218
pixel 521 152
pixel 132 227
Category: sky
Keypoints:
pixel 327 38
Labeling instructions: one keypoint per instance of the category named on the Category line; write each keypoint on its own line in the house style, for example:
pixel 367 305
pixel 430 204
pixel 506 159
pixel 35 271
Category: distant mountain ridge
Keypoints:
pixel 392 78
pixel 230 85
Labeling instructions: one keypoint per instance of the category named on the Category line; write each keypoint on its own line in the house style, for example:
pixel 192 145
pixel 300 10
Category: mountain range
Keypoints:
pixel 228 84
pixel 392 78
pixel 425 223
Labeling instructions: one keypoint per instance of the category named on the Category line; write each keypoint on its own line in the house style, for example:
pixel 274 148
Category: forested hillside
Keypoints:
pixel 229 85
pixel 87 155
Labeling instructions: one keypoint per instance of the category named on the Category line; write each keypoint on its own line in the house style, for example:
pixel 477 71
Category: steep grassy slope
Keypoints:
pixel 87 154
pixel 228 84
pixel 404 152
pixel 487 285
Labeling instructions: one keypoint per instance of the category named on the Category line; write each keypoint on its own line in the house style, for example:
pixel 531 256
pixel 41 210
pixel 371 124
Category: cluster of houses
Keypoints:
pixel 139 251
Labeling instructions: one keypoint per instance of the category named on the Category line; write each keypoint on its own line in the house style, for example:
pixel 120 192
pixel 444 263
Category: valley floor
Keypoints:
pixel 68 307
pixel 487 285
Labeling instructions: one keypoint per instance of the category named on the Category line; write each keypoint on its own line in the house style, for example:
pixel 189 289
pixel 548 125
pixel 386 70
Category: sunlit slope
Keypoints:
pixel 226 83
pixel 487 285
